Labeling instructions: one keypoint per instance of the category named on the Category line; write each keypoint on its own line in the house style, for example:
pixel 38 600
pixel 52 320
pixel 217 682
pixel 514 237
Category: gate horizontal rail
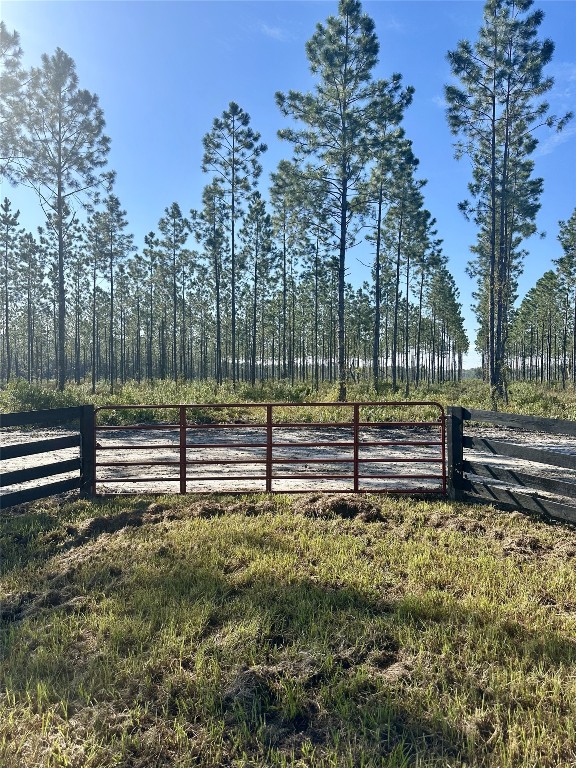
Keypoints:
pixel 273 460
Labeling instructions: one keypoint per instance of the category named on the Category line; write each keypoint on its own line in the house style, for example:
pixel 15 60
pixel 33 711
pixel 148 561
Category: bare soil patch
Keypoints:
pixel 147 462
pixel 234 459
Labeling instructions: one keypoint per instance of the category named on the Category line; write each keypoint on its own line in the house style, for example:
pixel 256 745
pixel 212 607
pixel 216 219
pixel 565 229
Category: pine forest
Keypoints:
pixel 253 285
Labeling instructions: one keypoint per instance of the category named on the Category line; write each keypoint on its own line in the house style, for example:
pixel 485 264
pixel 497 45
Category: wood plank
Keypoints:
pixel 550 484
pixel 454 451
pixel 88 451
pixel 533 423
pixel 35 473
pixel 48 416
pixel 499 448
pixel 39 492
pixel 39 446
pixel 523 501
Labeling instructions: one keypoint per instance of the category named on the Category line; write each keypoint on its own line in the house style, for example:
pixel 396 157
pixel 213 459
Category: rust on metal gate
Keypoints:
pixel 362 452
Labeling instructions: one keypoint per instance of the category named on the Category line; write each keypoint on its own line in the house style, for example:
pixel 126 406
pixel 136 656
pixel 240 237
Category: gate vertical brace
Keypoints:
pixel 455 450
pixel 182 449
pixel 444 461
pixel 87 451
pixel 268 448
pixel 356 445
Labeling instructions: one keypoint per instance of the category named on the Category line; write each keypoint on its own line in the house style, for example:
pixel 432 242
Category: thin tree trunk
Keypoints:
pixel 377 296
pixel 341 287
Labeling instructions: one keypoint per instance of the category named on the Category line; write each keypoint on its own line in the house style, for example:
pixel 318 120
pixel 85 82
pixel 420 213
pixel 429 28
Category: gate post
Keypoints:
pixel 455 451
pixel 269 448
pixel 87 451
pixel 182 449
pixel 356 433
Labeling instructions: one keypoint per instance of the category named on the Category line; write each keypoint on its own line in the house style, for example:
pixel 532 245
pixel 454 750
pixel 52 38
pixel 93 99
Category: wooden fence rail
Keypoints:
pixel 475 478
pixel 83 464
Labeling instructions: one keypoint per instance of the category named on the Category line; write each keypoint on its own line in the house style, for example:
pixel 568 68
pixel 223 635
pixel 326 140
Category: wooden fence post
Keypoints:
pixel 87 451
pixel 455 451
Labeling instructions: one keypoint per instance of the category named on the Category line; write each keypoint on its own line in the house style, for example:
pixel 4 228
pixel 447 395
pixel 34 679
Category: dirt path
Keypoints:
pixel 148 462
pixel 304 455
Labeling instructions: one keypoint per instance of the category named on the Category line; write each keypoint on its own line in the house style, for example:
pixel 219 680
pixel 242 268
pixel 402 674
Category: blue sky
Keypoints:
pixel 163 70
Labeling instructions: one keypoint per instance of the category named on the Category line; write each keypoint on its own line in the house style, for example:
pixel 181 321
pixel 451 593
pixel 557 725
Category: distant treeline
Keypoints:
pixel 165 313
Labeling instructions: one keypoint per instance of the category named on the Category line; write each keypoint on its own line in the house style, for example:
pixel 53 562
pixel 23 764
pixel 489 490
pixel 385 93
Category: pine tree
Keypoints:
pixel 341 119
pixel 231 152
pixel 257 262
pixel 174 229
pixel 116 246
pixel 78 285
pixel 496 110
pixel 10 233
pixel 11 82
pixel 566 266
pixel 305 238
pixel 209 228
pixel 136 277
pixel 31 288
pixel 61 148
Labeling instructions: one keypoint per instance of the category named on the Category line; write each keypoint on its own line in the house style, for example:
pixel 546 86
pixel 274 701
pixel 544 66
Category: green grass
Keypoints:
pixel 285 631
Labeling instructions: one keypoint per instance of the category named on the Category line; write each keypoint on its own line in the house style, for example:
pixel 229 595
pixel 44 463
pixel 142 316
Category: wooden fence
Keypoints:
pixel 485 473
pixel 82 465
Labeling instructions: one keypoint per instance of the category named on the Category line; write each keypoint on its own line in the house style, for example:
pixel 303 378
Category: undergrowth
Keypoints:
pixel 274 631
pixel 527 398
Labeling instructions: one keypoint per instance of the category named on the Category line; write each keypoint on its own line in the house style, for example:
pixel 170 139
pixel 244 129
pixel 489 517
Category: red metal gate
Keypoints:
pixel 332 447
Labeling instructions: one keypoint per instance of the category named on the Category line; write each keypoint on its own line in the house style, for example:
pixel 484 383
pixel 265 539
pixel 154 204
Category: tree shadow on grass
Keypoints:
pixel 32 534
pixel 300 664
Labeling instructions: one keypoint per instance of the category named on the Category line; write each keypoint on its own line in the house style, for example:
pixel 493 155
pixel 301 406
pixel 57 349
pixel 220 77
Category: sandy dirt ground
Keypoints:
pixel 561 444
pixel 148 461
pixel 131 461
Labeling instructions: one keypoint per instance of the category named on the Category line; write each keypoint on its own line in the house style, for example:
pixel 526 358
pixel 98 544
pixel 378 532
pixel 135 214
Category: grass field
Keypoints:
pixel 311 631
